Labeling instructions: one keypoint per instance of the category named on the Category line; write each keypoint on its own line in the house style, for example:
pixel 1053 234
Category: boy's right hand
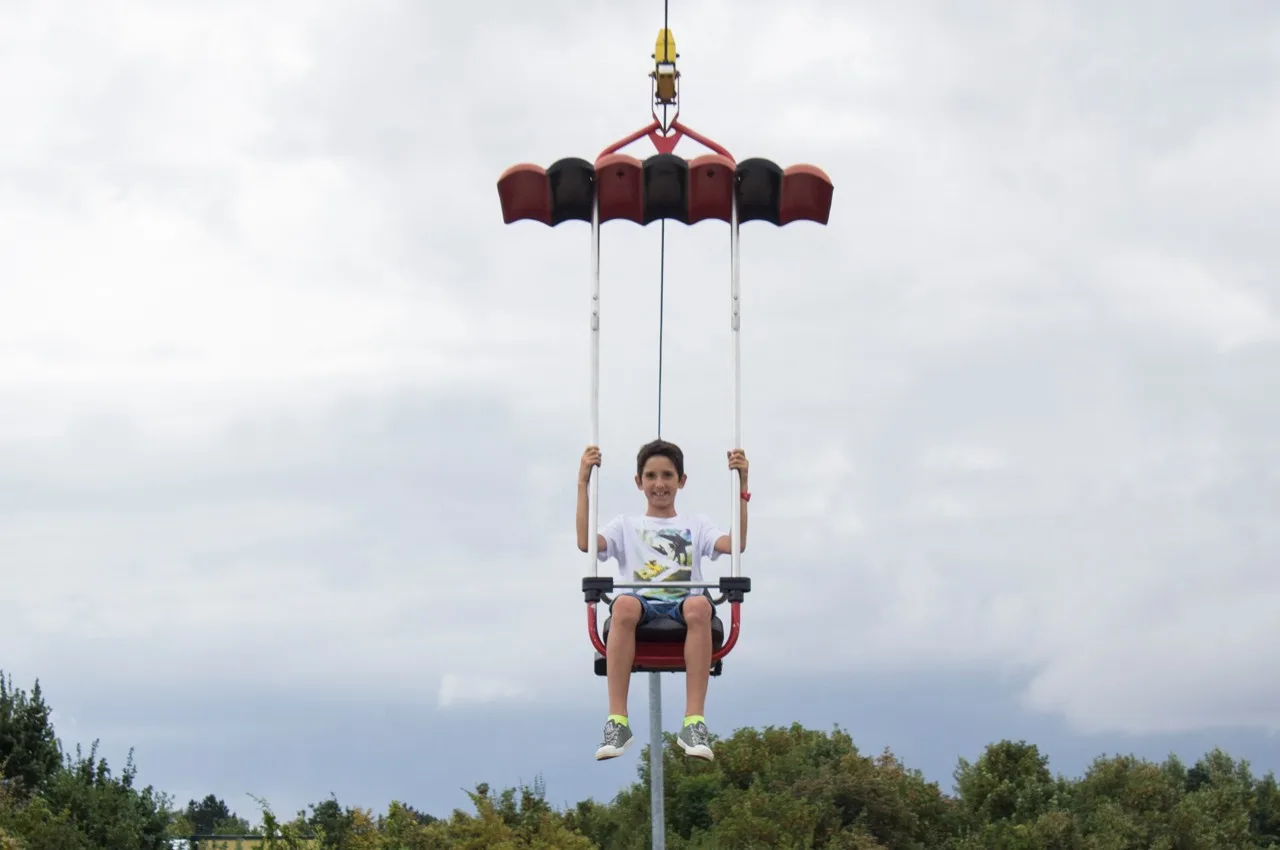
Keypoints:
pixel 590 458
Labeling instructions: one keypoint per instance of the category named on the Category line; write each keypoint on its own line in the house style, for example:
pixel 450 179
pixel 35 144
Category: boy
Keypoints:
pixel 659 546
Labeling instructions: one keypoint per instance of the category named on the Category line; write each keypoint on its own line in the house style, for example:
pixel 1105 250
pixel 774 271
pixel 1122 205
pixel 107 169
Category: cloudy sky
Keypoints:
pixel 289 419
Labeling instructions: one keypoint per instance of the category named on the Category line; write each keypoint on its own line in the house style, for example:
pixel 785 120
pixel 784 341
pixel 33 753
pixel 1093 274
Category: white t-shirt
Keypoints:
pixel 649 548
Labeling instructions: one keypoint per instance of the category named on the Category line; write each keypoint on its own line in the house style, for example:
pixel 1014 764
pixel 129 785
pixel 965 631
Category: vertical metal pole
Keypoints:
pixel 593 534
pixel 657 799
pixel 735 323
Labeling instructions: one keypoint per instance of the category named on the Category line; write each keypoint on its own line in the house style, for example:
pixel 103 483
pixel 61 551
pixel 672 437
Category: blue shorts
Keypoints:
pixel 652 609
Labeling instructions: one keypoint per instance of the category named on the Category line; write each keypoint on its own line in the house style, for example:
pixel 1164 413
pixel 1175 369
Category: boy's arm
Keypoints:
pixel 724 544
pixel 738 461
pixel 583 535
pixel 590 458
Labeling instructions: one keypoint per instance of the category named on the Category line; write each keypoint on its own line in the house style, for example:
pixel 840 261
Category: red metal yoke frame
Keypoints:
pixel 662 141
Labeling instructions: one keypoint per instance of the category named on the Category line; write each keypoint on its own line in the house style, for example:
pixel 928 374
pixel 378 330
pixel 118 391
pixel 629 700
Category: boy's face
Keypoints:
pixel 659 482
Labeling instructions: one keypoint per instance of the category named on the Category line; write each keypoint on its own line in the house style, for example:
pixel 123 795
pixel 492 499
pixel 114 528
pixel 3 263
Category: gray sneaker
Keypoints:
pixel 616 740
pixel 693 740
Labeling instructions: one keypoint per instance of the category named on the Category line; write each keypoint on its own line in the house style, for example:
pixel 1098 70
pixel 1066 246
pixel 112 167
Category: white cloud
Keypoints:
pixel 460 689
pixel 1190 301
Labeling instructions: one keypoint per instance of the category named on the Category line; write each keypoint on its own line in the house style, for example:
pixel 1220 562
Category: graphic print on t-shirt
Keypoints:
pixel 669 557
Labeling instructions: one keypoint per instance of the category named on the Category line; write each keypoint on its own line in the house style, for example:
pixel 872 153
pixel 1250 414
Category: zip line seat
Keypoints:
pixel 660 642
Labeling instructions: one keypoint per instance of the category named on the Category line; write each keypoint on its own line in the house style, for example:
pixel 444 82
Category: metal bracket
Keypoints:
pixel 735 588
pixel 595 587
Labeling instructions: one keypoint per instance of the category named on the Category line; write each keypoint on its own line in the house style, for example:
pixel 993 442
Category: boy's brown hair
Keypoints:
pixel 660 448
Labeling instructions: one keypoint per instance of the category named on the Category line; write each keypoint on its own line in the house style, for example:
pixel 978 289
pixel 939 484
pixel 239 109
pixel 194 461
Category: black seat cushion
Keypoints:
pixel 667 630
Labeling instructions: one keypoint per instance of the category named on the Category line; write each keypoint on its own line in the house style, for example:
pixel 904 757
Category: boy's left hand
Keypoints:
pixel 738 461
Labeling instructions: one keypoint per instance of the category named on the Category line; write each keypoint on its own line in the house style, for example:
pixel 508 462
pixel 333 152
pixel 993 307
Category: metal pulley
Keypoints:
pixel 664 73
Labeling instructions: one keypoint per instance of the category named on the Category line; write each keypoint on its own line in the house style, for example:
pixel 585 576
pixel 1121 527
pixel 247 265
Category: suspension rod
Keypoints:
pixel 593 491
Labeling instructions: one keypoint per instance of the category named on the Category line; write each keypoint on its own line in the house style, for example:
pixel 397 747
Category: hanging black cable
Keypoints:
pixel 662 283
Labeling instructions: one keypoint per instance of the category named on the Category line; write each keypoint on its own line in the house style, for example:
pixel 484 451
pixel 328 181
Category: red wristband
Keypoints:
pixel 746 495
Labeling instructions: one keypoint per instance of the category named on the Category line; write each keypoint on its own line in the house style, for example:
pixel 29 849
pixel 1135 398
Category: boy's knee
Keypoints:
pixel 697 611
pixel 626 611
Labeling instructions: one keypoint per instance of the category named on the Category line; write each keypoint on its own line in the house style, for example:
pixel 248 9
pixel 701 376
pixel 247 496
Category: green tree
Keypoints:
pixel 283 835
pixel 34 825
pixel 331 823
pixel 501 825
pixel 1009 783
pixel 29 751
pixel 180 826
pixel 109 810
pixel 212 816
pixel 402 828
pixel 1221 800
pixel 1266 812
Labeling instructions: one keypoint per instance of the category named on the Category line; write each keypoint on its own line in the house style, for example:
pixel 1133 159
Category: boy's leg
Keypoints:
pixel 626 612
pixel 696 613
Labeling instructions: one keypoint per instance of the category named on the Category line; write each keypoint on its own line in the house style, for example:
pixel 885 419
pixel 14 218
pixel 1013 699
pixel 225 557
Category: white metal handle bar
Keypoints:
pixel 634 584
